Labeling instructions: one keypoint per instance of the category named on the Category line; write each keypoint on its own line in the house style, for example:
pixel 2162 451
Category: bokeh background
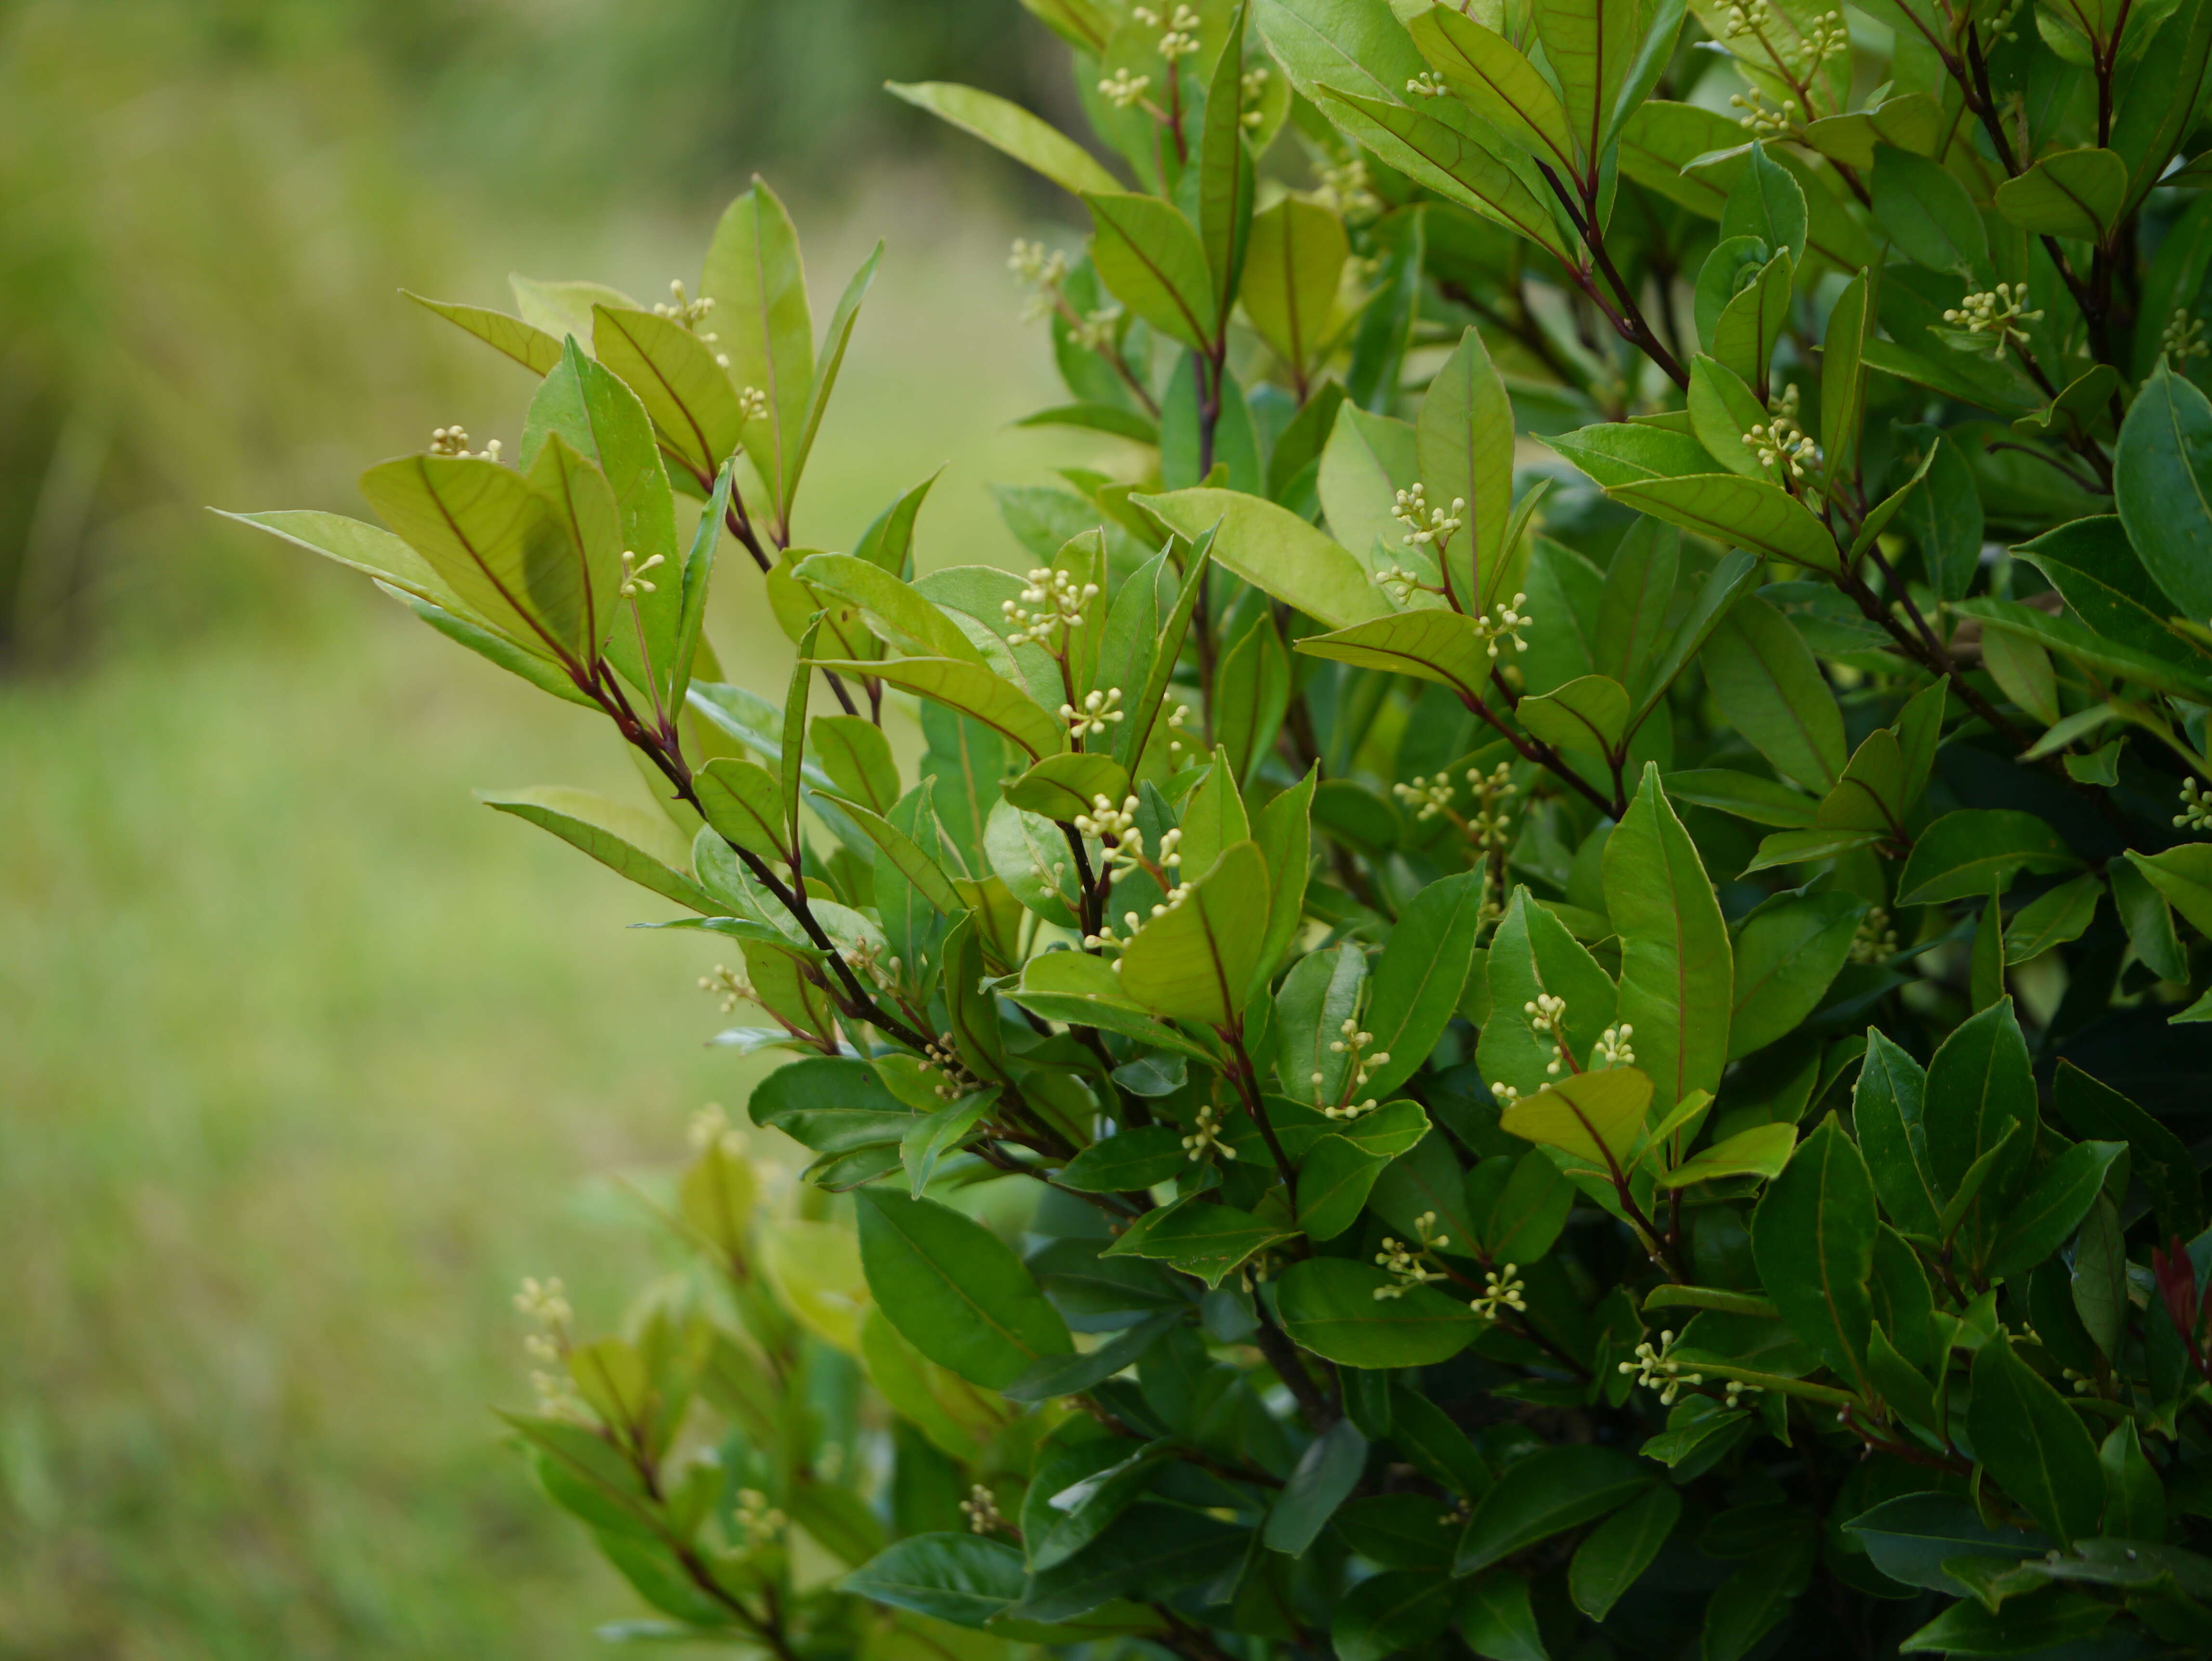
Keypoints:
pixel 305 1058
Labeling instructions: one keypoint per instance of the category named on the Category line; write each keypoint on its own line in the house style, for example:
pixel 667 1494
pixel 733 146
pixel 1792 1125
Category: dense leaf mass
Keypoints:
pixel 1539 989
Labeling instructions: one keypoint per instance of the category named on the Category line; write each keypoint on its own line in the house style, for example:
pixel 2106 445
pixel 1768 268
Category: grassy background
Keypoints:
pixel 305 1058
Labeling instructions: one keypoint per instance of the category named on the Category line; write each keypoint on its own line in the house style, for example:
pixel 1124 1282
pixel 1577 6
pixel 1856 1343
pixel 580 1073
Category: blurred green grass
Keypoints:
pixel 305 1058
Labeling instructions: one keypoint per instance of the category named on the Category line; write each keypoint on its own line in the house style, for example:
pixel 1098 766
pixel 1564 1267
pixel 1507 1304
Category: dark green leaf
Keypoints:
pixel 1964 854
pixel 1546 1494
pixel 1618 1550
pixel 955 1290
pixel 1323 1479
pixel 1814 1238
pixel 963 1578
pixel 1328 1305
pixel 2034 1444
pixel 2044 1218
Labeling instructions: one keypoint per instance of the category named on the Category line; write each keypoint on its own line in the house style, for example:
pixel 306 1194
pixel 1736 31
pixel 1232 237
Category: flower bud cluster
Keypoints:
pixel 1999 311
pixel 1358 1067
pixel 454 442
pixel 1407 1265
pixel 1206 1138
pixel 1098 708
pixel 1053 601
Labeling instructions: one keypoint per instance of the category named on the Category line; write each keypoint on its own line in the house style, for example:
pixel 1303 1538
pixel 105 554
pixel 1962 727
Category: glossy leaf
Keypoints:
pixel 2034 1445
pixel 640 844
pixel 1964 854
pixel 1616 1552
pixel 1012 131
pixel 1276 551
pixel 1787 954
pixel 1328 1305
pixel 1195 964
pixel 955 1290
pixel 1814 1235
pixel 1675 974
pixel 1546 1494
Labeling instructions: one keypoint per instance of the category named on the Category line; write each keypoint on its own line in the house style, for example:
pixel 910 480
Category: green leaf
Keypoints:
pixel 1787 954
pixel 1152 1550
pixel 1746 796
pixel 1927 213
pixel 1012 131
pixel 1588 713
pixel 1153 259
pixel 1127 1162
pixel 1320 994
pixel 1498 1619
pixel 1547 1493
pixel 1910 1538
pixel 1293 265
pixel 965 1579
pixel 1523 1222
pixel 2148 919
pixel 2077 193
pixel 1066 786
pixel 1675 972
pixel 1869 795
pixel 1980 1090
pixel 1767 202
pixel 893 609
pixel 1251 693
pixel 1742 512
pixel 1842 378
pixel 1276 551
pixel 1532 953
pixel 1225 179
pixel 497 648
pixel 2053 919
pixel 674 374
pixel 1146 713
pixel 1965 854
pixel 905 855
pixel 2161 1160
pixel 1434 1444
pixel 2160 481
pixel 2044 1219
pixel 366 548
pixel 967 689
pixel 642 845
pixel 1334 1179
pixel 934 1135
pixel 532 347
pixel 1199 1239
pixel 1464 439
pixel 754 274
pixel 1322 1481
pixel 1420 977
pixel 1913 122
pixel 1596 1117
pixel 1070 1375
pixel 1639 590
pixel 954 1290
pixel 1625 453
pixel 832 1105
pixel 2183 874
pixel 1196 962
pixel 1615 1555
pixel 1084 991
pixel 2134 1500
pixel 743 802
pixel 1391 1614
pixel 1761 1151
pixel 503 547
pixel 1284 834
pixel 1888 1113
pixel 1590 45
pixel 1495 80
pixel 1813 1236
pixel 1084 1509
pixel 1771 689
pixel 1328 1305
pixel 1431 644
pixel 2034 1444
pixel 1752 321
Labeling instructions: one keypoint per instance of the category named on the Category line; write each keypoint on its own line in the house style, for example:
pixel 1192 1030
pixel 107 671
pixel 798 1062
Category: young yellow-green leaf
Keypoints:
pixel 1813 1236
pixel 1498 82
pixel 1964 854
pixel 1432 644
pixel 1464 439
pixel 640 844
pixel 971 690
pixel 743 802
pixel 1742 513
pixel 1276 551
pixel 1723 409
pixel 1283 830
pixel 930 1137
pixel 1084 991
pixel 1596 1117
pixel 1251 694
pixel 675 376
pixel 1628 453
pixel 497 542
pixel 1328 1305
pixel 1761 1151
pixel 893 609
pixel 1213 817
pixel 563 308
pixel 585 508
pixel 1195 963
pixel 1064 787
pixel 534 348
pixel 1451 152
pixel 1588 713
pixel 1787 953
pixel 754 274
pixel 2077 193
pixel 955 1290
pixel 1293 265
pixel 1752 321
pixel 1869 794
pixel 1151 259
pixel 1615 1555
pixel 1590 45
pixel 1547 1493
pixel 1767 202
pixel 1913 121
pixel 366 548
pixel 1012 131
pixel 1676 977
pixel 2034 1445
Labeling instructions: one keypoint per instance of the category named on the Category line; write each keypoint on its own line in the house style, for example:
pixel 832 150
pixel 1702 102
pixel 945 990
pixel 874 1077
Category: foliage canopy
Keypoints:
pixel 1457 1040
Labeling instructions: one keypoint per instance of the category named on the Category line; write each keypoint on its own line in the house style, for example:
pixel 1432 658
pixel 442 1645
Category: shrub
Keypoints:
pixel 1595 1057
